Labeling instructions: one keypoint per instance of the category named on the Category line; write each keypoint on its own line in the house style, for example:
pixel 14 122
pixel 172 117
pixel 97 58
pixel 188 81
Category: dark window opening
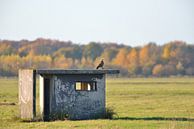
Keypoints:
pixel 85 86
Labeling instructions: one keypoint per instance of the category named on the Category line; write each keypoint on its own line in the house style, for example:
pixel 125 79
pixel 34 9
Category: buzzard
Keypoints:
pixel 100 65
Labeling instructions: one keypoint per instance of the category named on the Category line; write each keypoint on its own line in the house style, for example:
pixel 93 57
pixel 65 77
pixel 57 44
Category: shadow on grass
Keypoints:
pixel 156 118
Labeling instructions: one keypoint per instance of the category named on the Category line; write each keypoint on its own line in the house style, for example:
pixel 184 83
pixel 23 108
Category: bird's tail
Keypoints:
pixel 97 67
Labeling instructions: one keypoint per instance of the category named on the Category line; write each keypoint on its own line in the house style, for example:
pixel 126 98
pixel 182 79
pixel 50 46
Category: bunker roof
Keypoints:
pixel 77 71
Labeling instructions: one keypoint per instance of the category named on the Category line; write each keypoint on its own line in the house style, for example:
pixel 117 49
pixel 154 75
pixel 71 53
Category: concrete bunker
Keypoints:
pixel 75 94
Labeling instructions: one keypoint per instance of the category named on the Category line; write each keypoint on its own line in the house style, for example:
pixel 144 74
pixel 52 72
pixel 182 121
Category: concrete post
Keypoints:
pixel 27 93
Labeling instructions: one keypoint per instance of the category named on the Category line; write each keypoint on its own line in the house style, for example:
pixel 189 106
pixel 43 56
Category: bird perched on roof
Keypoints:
pixel 100 65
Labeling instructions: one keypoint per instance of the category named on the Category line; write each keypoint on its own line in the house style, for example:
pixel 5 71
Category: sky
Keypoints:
pixel 130 22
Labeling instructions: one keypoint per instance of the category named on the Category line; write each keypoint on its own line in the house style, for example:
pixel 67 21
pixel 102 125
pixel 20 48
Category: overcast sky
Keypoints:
pixel 132 22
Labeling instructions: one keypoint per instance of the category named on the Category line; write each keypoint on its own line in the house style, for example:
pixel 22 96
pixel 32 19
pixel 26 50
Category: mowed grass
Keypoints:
pixel 140 103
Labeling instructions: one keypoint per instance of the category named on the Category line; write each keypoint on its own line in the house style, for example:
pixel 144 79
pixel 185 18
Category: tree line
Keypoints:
pixel 175 58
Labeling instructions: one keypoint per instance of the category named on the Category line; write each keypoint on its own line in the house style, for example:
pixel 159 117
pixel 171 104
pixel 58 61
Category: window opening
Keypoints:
pixel 85 86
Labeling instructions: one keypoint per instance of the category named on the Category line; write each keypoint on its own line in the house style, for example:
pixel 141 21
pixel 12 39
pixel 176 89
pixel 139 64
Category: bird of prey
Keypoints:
pixel 100 65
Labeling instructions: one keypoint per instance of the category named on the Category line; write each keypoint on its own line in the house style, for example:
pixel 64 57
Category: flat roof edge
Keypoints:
pixel 77 71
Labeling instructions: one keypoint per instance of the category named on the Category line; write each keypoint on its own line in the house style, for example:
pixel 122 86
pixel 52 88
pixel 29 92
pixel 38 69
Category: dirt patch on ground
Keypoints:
pixel 1 104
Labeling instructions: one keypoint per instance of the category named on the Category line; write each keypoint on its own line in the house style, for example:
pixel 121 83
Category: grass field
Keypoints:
pixel 153 103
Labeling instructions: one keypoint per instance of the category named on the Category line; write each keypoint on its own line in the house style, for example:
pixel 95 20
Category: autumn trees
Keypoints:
pixel 173 58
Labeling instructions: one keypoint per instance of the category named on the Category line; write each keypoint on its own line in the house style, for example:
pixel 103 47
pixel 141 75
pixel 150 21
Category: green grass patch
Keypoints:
pixel 148 103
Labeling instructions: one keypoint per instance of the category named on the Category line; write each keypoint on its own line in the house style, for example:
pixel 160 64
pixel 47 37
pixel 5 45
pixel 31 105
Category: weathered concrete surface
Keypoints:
pixel 76 71
pixel 27 96
pixel 58 95
pixel 64 99
pixel 41 94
